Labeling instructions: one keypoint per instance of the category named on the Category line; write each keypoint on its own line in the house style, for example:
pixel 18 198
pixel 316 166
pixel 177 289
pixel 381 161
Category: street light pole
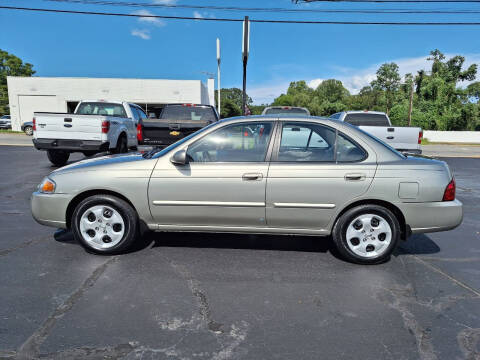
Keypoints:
pixel 218 75
pixel 245 51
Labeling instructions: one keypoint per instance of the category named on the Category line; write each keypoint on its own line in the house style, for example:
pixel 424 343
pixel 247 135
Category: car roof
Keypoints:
pixel 102 101
pixel 275 117
pixel 285 107
pixel 364 112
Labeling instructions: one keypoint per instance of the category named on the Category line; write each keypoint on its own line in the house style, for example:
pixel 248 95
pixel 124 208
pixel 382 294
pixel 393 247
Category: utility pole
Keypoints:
pixel 218 76
pixel 411 105
pixel 245 51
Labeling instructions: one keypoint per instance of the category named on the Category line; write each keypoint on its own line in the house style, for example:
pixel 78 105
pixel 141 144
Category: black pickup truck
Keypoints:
pixel 175 122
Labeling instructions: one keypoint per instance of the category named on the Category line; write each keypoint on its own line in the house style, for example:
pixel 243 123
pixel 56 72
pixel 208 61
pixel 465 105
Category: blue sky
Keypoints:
pixel 98 46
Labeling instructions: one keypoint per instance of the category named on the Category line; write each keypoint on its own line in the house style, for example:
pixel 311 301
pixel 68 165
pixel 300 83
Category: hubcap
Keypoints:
pixel 102 227
pixel 369 235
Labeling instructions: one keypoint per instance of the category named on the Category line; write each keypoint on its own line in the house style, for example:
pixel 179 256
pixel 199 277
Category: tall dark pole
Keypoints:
pixel 245 50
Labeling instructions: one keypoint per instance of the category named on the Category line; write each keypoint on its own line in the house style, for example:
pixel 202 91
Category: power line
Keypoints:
pixel 272 21
pixel 250 9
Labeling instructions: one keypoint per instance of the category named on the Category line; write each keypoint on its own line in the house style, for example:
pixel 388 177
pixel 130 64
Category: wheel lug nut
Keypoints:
pixel 96 228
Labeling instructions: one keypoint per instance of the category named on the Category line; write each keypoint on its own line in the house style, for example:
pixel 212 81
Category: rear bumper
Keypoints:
pixel 71 145
pixel 433 216
pixel 50 209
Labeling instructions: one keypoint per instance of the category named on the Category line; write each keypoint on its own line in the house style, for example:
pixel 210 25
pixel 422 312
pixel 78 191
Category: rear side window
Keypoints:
pixel 302 142
pixel 105 109
pixel 188 112
pixel 366 119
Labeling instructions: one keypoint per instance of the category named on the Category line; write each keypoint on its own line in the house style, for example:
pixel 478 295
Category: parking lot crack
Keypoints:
pixel 30 348
pixel 199 295
pixel 22 245
pixel 398 299
pixel 469 342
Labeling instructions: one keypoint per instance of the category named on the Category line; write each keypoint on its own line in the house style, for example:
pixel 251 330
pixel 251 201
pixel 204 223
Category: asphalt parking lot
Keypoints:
pixel 204 296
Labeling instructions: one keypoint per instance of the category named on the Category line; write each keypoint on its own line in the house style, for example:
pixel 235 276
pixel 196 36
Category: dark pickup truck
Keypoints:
pixel 174 123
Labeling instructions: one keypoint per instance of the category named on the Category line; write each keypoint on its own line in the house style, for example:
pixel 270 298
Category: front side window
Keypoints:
pixel 105 109
pixel 244 142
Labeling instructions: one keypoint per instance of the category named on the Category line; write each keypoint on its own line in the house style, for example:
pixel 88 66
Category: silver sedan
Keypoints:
pixel 264 175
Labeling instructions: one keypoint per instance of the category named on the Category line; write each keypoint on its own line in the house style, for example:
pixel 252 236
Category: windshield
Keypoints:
pixel 188 112
pixel 100 108
pixel 158 152
pixel 290 111
pixel 366 119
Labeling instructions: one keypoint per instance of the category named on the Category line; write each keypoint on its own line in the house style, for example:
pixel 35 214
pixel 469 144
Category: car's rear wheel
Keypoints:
pixel 58 157
pixel 122 145
pixel 105 224
pixel 366 234
pixel 28 130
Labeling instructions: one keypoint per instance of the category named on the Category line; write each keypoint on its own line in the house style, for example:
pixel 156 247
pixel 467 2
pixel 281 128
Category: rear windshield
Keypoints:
pixel 184 112
pixel 100 108
pixel 290 111
pixel 366 119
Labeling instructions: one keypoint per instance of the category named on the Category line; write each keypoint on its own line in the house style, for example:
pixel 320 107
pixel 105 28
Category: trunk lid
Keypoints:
pixel 68 126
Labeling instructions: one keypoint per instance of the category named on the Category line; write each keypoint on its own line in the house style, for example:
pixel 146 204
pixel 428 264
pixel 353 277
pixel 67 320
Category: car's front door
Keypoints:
pixel 314 171
pixel 223 183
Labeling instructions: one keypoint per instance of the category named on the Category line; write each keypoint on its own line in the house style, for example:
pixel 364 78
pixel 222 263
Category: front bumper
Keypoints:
pixel 50 209
pixel 71 145
pixel 432 216
pixel 5 126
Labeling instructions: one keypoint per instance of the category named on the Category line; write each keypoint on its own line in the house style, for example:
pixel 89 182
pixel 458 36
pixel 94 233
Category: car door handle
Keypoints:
pixel 390 137
pixel 355 177
pixel 252 177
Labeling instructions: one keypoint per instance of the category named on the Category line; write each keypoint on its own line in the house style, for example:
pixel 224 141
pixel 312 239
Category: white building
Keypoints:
pixel 59 94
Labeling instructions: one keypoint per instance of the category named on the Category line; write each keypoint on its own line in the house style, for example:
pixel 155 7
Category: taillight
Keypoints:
pixel 105 127
pixel 449 194
pixel 139 132
pixel 34 127
pixel 420 136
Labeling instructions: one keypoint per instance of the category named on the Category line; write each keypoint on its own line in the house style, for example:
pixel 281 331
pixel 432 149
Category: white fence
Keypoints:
pixel 452 136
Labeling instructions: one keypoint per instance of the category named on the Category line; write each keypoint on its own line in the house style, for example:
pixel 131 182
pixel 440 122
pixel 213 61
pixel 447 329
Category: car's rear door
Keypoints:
pixel 314 171
pixel 222 185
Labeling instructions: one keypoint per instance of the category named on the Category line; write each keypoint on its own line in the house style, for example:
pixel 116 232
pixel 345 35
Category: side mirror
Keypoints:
pixel 179 158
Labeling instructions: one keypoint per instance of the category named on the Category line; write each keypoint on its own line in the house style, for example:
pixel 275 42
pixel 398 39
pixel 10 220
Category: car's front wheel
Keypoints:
pixel 105 224
pixel 366 234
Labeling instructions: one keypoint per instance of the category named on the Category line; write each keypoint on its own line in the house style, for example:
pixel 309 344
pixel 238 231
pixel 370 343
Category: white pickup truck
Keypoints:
pixel 95 126
pixel 404 139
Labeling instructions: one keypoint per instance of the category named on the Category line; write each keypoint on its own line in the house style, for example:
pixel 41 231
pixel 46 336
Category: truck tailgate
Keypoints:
pixel 68 126
pixel 164 132
pixel 401 138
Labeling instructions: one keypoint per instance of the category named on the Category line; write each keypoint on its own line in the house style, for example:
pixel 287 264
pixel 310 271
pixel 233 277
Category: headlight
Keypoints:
pixel 47 186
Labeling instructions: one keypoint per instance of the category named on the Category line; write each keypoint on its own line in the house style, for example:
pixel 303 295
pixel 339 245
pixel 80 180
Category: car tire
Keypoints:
pixel 105 224
pixel 58 157
pixel 28 130
pixel 89 153
pixel 366 234
pixel 122 146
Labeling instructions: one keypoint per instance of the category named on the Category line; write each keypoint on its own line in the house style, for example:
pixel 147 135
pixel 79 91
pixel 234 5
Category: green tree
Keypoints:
pixel 388 80
pixel 231 102
pixel 10 65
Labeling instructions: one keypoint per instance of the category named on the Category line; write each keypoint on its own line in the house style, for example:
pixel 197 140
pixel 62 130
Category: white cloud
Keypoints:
pixel 199 15
pixel 353 79
pixel 141 33
pixel 149 20
pixel 165 2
